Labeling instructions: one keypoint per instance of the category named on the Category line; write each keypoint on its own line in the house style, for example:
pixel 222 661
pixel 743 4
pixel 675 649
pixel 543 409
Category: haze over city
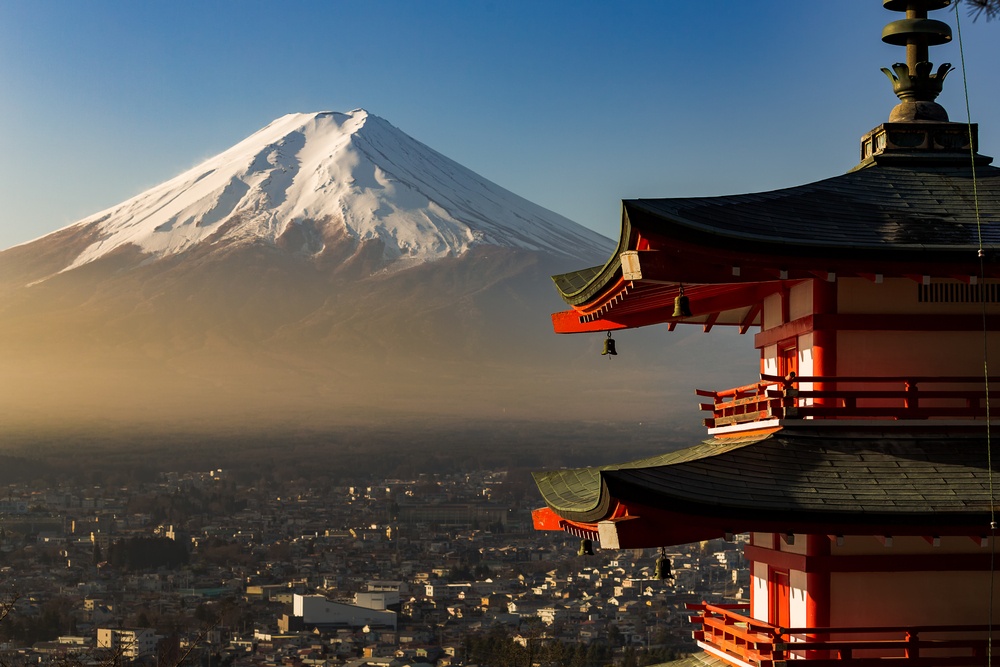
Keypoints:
pixel 572 107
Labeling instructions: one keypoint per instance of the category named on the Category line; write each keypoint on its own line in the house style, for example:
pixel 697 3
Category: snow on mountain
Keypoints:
pixel 324 171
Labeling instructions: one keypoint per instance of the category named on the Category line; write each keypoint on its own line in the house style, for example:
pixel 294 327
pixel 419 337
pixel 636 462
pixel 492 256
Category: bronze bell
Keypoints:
pixel 662 570
pixel 682 308
pixel 609 346
pixel 586 548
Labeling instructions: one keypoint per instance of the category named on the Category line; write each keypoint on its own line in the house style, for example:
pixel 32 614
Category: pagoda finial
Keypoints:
pixel 912 81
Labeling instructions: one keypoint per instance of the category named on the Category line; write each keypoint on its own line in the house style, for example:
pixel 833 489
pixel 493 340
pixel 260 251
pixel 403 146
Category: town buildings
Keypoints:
pixel 255 549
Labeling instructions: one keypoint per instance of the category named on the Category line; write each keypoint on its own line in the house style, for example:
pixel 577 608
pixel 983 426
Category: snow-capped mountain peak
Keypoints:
pixel 334 174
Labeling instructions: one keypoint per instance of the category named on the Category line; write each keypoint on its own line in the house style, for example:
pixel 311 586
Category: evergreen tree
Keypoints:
pixel 988 8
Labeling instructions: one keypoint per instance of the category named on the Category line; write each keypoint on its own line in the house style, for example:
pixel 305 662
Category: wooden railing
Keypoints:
pixel 749 403
pixel 887 397
pixel 745 641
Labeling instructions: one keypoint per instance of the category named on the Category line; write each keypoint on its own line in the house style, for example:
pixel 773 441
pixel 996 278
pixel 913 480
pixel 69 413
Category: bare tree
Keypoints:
pixel 115 654
pixel 7 602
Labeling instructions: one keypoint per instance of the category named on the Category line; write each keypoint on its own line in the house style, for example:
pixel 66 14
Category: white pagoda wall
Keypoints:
pixel 800 300
pixel 796 581
pixel 923 351
pixel 882 598
pixel 909 598
pixel 771 314
pixel 914 352
pixel 760 598
pixel 896 296
pixel 797 599
pixel 799 304
pixel 918 352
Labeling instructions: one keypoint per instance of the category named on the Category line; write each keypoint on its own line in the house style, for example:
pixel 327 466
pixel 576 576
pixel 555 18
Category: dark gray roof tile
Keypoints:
pixel 791 471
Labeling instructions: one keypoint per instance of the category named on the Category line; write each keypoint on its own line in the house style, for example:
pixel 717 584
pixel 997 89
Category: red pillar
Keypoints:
pixel 817 591
pixel 817 584
pixel 824 341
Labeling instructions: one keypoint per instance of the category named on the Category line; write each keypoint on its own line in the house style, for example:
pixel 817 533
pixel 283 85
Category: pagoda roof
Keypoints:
pixel 896 219
pixel 894 481
pixel 877 210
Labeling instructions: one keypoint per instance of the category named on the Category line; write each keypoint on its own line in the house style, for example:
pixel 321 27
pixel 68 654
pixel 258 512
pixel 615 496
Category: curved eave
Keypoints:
pixel 787 481
pixel 633 526
pixel 579 287
pixel 886 221
pixel 641 303
pixel 581 494
pixel 642 526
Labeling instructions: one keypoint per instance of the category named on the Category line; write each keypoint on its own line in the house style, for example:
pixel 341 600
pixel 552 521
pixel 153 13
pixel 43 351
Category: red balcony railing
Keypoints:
pixel 749 403
pixel 744 641
pixel 856 397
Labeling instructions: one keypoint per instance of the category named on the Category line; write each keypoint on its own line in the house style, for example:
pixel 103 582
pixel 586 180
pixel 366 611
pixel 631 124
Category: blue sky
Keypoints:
pixel 574 105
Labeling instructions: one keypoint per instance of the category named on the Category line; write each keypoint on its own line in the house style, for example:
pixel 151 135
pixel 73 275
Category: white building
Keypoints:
pixel 129 643
pixel 376 600
pixel 316 610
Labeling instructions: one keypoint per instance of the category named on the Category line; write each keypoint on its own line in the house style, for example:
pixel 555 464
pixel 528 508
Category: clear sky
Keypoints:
pixel 574 105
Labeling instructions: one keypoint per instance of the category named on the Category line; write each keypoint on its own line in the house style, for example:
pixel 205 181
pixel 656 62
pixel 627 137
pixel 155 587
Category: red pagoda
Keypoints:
pixel 859 463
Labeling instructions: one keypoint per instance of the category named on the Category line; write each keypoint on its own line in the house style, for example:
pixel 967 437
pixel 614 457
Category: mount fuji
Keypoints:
pixel 327 269
pixel 307 181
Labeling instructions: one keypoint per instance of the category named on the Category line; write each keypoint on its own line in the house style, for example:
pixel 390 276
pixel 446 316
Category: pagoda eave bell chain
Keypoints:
pixel 609 346
pixel 682 306
pixel 663 571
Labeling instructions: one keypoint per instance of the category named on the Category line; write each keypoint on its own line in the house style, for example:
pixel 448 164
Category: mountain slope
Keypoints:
pixel 328 269
pixel 308 180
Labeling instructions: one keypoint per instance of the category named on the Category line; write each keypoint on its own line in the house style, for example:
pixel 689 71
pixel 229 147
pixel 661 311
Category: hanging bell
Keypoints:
pixel 586 548
pixel 682 307
pixel 662 570
pixel 609 346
